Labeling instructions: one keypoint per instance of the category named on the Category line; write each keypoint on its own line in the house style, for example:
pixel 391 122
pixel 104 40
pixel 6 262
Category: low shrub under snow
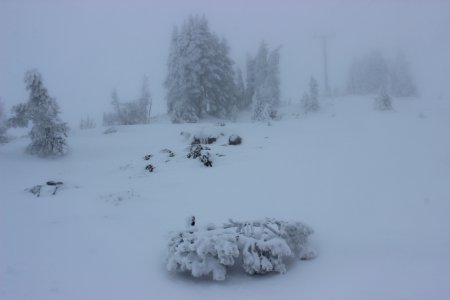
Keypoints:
pixel 260 247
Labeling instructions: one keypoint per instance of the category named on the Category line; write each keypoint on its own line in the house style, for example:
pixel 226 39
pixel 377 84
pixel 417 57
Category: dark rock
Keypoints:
pixel 54 183
pixel 234 140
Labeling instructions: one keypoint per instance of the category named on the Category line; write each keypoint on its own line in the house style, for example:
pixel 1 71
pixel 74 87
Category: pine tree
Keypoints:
pixel 265 76
pixel 87 123
pixel 200 80
pixel 368 74
pixel 48 133
pixel 310 101
pixel 145 103
pixel 250 85
pixel 132 112
pixel 240 91
pixel 401 79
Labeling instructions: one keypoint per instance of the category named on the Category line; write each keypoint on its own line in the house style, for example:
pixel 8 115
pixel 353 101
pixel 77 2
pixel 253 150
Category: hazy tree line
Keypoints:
pixel 202 81
pixel 373 74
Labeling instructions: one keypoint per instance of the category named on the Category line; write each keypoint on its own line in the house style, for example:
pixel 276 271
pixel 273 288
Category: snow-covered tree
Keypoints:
pixel 261 247
pixel 263 82
pixel 200 80
pixel 87 123
pixel 145 102
pixel 250 85
pixel 132 112
pixel 240 91
pixel 368 74
pixel 3 127
pixel 372 73
pixel 383 101
pixel 401 78
pixel 310 101
pixel 48 133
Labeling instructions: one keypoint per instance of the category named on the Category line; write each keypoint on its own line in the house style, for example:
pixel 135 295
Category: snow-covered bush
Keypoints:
pixel 150 168
pixel 383 101
pixel 200 152
pixel 260 247
pixel 110 130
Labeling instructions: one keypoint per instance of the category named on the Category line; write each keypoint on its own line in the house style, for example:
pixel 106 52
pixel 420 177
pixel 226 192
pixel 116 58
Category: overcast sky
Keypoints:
pixel 85 48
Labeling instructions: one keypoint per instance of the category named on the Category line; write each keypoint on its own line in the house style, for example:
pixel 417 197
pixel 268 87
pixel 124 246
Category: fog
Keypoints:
pixel 86 48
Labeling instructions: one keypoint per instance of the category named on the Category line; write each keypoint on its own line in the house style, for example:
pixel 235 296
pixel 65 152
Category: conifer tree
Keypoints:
pixel 263 75
pixel 401 79
pixel 48 133
pixel 310 100
pixel 201 79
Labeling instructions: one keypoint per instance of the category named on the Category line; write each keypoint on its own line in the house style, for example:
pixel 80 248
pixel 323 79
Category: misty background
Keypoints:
pixel 84 49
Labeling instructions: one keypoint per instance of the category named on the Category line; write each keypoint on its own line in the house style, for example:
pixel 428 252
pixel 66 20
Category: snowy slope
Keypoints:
pixel 375 187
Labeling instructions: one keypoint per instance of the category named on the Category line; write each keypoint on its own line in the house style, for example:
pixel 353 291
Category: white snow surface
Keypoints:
pixel 374 186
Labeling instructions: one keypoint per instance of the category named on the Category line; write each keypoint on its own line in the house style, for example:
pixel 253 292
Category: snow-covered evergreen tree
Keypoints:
pixel 372 73
pixel 264 82
pixel 401 78
pixel 273 76
pixel 310 101
pixel 200 80
pixel 368 74
pixel 132 112
pixel 145 102
pixel 250 85
pixel 87 123
pixel 48 133
pixel 240 91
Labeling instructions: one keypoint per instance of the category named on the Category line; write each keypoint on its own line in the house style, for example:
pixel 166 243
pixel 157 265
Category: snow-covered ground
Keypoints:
pixel 375 186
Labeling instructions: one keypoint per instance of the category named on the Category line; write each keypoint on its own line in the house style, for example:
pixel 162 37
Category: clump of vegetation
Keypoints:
pixel 261 247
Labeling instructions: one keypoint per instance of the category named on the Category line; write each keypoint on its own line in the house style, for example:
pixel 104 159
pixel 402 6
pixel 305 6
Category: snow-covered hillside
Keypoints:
pixel 375 187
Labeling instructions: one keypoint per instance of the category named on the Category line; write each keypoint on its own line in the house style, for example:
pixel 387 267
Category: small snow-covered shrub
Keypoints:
pixel 50 188
pixel 150 168
pixel 169 152
pixel 383 102
pixel 110 130
pixel 200 152
pixel 260 247
pixel 234 140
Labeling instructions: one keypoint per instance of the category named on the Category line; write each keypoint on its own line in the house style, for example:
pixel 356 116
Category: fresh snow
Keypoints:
pixel 374 186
